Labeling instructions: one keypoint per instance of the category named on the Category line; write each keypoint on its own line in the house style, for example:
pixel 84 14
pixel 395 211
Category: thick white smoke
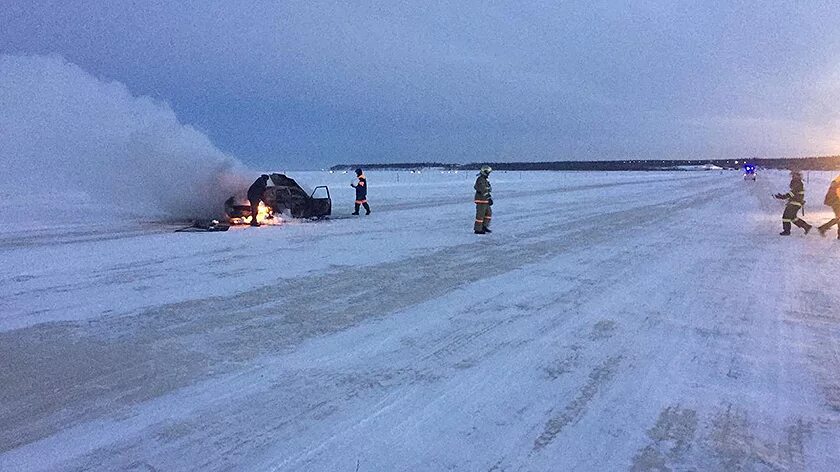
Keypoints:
pixel 62 129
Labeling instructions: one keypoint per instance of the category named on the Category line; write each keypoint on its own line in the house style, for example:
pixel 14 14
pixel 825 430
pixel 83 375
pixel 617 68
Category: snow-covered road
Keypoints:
pixel 612 321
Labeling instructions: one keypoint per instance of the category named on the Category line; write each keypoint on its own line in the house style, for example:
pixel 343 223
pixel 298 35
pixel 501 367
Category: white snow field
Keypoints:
pixel 644 321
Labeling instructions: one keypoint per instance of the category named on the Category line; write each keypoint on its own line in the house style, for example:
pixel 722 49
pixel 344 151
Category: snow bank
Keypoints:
pixel 66 131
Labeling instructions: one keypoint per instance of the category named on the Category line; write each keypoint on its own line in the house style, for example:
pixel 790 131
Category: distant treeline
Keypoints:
pixel 800 163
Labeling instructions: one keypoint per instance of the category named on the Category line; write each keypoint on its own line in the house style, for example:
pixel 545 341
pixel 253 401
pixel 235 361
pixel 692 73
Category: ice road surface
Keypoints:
pixel 612 321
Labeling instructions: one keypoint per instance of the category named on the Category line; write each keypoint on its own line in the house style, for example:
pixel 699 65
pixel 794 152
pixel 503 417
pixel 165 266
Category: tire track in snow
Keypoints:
pixel 208 337
pixel 741 434
pixel 671 438
pixel 597 332
pixel 665 307
pixel 575 409
pixel 735 446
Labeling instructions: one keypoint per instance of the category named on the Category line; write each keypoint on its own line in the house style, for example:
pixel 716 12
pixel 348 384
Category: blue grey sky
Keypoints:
pixel 312 83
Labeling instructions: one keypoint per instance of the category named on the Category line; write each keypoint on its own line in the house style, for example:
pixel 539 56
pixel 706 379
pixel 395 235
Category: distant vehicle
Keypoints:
pixel 749 172
pixel 284 195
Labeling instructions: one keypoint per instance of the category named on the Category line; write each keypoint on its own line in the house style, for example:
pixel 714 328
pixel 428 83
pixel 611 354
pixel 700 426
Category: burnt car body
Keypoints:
pixel 285 196
pixel 288 195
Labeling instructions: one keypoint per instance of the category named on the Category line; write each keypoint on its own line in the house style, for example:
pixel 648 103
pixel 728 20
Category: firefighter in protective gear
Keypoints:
pixel 795 200
pixel 483 201
pixel 360 184
pixel 255 196
pixel 832 199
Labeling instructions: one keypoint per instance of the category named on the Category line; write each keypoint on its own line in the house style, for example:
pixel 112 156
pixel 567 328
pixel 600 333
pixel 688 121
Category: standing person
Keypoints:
pixel 832 199
pixel 483 201
pixel 255 196
pixel 360 184
pixel 795 200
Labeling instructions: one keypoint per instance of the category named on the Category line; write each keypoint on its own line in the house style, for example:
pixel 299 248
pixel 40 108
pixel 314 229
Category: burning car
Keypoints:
pixel 283 196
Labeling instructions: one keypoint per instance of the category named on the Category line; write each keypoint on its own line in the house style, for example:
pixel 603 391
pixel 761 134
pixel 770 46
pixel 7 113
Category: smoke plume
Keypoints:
pixel 62 129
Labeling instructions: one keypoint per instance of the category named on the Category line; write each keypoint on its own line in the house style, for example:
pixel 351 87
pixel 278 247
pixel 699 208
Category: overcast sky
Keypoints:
pixel 312 83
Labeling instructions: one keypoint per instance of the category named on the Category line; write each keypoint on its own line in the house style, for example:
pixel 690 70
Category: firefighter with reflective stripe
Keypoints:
pixel 795 201
pixel 483 201
pixel 832 199
pixel 360 184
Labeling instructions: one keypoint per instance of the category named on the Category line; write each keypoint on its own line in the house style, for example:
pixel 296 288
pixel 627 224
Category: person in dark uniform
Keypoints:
pixel 483 201
pixel 832 199
pixel 255 196
pixel 360 184
pixel 795 200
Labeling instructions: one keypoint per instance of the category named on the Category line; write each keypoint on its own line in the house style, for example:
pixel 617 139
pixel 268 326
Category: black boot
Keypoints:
pixel 487 230
pixel 356 211
pixel 802 224
pixel 785 229
pixel 367 208
pixel 480 232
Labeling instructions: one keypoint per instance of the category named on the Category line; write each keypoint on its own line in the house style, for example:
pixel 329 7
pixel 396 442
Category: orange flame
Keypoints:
pixel 264 215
